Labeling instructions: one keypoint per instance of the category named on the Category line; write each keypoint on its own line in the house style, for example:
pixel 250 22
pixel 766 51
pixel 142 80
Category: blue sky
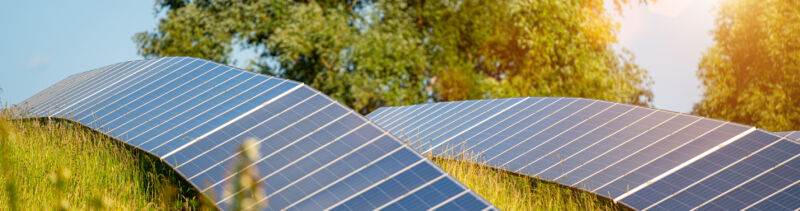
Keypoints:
pixel 43 42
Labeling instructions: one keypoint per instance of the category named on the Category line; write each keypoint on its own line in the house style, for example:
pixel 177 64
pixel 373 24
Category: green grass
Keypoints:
pixel 511 191
pixel 58 165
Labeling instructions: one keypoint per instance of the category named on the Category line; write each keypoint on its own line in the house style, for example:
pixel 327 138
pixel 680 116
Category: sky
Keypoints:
pixel 668 39
pixel 43 42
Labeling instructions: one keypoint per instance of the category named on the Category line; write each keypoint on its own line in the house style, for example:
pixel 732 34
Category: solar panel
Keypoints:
pixel 793 135
pixel 642 157
pixel 194 114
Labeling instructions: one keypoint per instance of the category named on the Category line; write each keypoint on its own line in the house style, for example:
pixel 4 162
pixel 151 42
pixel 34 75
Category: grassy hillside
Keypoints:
pixel 56 164
pixel 509 191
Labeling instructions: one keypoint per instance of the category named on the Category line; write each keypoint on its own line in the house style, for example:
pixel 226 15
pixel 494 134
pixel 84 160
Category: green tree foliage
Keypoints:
pixel 550 48
pixel 369 54
pixel 750 75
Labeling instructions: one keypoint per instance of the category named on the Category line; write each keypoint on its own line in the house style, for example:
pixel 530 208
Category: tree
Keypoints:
pixel 527 48
pixel 562 48
pixel 369 54
pixel 365 59
pixel 750 75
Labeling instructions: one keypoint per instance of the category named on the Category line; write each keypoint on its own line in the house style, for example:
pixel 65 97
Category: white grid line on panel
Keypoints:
pixel 469 148
pixel 278 151
pixel 597 142
pixel 109 85
pixel 471 114
pixel 396 199
pixel 411 112
pixel 424 159
pixel 658 157
pixel 186 110
pixel 551 138
pixel 151 81
pixel 90 103
pixel 635 152
pixel 323 166
pixel 526 127
pixel 481 122
pixel 234 119
pixel 714 173
pixel 254 126
pixel 168 100
pixel 747 181
pixel 218 115
pixel 425 118
pixel 392 113
pixel 195 115
pixel 770 196
pixel 146 80
pixel 440 123
pixel 432 122
pixel 454 197
pixel 385 134
pixel 612 149
pixel 85 86
pixel 212 118
pixel 684 164
pixel 415 115
pixel 377 112
pixel 62 90
pixel 30 104
pixel 417 125
pixel 357 171
pixel 445 202
pixel 248 130
pixel 170 109
pixel 47 92
pixel 74 87
pixel 573 140
pixel 221 113
pixel 113 78
pixel 264 178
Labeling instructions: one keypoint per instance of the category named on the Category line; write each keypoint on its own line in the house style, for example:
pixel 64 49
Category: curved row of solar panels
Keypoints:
pixel 315 153
pixel 645 158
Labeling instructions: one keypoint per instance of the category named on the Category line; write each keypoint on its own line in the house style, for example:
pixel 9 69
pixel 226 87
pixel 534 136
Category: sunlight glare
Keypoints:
pixel 669 8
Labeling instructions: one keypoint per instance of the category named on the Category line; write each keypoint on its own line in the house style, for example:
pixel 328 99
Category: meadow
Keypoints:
pixel 52 164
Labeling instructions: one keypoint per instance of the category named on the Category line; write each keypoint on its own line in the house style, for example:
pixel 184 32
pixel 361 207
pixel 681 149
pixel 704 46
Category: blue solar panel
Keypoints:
pixel 697 171
pixel 793 135
pixel 642 157
pixel 785 199
pixel 314 152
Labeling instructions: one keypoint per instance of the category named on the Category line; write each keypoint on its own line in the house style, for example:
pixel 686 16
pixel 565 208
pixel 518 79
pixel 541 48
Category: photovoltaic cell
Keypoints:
pixel 314 153
pixel 642 157
pixel 785 199
pixel 793 135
